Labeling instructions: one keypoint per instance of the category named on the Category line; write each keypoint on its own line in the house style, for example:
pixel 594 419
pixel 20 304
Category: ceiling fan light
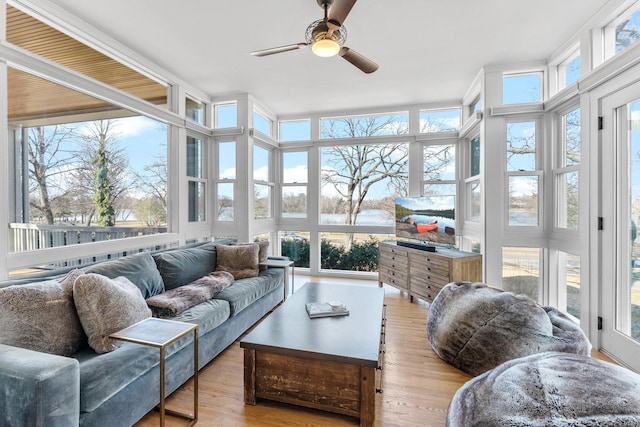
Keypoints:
pixel 325 48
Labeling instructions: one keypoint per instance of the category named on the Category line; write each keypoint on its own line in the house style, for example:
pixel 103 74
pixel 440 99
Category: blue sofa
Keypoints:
pixel 120 387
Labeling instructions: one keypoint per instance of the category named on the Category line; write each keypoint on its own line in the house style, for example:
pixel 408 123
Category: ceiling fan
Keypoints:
pixel 327 36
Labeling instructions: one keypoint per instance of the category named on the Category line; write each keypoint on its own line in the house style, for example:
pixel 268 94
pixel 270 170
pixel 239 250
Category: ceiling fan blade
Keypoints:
pixel 279 49
pixel 363 63
pixel 340 9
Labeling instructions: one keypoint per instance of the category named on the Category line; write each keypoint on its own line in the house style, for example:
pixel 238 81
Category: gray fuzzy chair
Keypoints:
pixel 475 327
pixel 549 389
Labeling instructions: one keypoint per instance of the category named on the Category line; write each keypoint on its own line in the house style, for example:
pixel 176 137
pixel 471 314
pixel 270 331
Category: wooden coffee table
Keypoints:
pixel 327 363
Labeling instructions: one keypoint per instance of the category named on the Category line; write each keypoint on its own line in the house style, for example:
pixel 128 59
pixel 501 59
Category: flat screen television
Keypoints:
pixel 428 219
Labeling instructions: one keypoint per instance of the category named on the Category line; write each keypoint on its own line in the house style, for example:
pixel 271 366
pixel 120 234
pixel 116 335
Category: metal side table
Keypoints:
pixel 159 333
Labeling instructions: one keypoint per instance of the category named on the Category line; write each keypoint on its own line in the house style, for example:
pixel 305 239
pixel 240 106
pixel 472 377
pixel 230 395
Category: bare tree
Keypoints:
pixel 153 180
pixel 352 170
pixel 46 161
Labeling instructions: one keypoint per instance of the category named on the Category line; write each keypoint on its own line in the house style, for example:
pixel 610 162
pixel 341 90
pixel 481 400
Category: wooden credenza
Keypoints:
pixel 423 274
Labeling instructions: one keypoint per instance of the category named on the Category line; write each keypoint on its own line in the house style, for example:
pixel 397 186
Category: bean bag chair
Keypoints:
pixel 475 327
pixel 549 389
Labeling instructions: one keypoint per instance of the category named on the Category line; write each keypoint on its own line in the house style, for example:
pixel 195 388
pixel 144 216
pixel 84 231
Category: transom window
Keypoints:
pixel 521 88
pixel 364 126
pixel 440 120
pixel 295 130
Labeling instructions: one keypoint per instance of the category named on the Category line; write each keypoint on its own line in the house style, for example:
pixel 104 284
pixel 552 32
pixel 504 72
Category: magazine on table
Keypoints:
pixel 326 309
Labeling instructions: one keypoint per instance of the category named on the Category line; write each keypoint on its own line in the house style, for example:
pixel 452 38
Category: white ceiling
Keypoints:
pixel 428 50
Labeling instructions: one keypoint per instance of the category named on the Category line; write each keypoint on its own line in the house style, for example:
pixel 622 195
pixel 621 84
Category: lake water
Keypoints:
pixel 365 217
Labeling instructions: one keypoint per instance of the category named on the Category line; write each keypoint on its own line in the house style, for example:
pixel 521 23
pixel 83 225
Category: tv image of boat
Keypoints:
pixel 423 228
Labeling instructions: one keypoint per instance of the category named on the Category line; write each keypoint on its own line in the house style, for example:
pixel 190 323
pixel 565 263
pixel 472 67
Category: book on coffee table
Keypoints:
pixel 326 309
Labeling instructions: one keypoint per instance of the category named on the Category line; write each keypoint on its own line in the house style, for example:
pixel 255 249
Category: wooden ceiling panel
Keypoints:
pixel 30 96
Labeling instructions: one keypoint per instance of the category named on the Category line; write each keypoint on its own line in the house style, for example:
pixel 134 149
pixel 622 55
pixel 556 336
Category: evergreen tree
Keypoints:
pixel 105 214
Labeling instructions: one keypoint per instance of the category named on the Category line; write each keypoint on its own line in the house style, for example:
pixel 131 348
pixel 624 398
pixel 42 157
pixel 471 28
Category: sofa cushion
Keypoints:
pixel 206 315
pixel 105 306
pixel 239 260
pixel 246 291
pixel 140 269
pixel 104 375
pixel 41 316
pixel 182 266
pixel 174 301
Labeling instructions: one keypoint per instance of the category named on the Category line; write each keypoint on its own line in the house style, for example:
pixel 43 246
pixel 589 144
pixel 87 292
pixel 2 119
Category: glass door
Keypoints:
pixel 620 288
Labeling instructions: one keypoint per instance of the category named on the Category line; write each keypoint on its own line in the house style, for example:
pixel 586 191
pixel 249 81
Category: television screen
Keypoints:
pixel 427 218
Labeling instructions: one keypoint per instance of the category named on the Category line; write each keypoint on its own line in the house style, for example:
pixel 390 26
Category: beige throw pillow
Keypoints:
pixel 105 306
pixel 41 316
pixel 239 260
pixel 263 251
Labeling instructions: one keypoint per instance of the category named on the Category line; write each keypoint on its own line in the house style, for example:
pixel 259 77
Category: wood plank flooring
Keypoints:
pixel 417 385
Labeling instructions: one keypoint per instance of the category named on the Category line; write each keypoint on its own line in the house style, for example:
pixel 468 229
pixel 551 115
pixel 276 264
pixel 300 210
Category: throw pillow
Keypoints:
pixel 140 269
pixel 105 306
pixel 263 251
pixel 239 260
pixel 41 316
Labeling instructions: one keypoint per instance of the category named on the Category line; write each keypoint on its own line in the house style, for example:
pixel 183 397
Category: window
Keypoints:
pixel 569 70
pixel 294 184
pixel 569 283
pixel 359 183
pixel 195 180
pixel 521 271
pixel 523 177
pixel 194 110
pixel 295 130
pixel 359 253
pixel 295 246
pixel 521 88
pixel 364 126
pixel 261 123
pixel 440 120
pixel 627 30
pixel 84 170
pixel 475 156
pixel 567 171
pixel 476 106
pixel 439 169
pixel 262 187
pixel 226 115
pixel 472 181
pixel 226 180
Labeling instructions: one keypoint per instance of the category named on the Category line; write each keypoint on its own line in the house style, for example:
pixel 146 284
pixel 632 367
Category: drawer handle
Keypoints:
pixel 393 258
pixel 428 259
pixel 428 268
pixel 428 277
pixel 428 286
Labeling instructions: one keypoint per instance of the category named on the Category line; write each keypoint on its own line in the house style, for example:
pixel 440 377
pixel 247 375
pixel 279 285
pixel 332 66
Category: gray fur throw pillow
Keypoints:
pixel 105 306
pixel 41 316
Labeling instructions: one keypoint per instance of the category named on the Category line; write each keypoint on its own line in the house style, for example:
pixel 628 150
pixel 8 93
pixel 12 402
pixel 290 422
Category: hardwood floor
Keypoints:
pixel 417 385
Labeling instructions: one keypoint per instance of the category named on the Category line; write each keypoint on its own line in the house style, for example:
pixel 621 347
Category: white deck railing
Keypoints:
pixel 30 237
